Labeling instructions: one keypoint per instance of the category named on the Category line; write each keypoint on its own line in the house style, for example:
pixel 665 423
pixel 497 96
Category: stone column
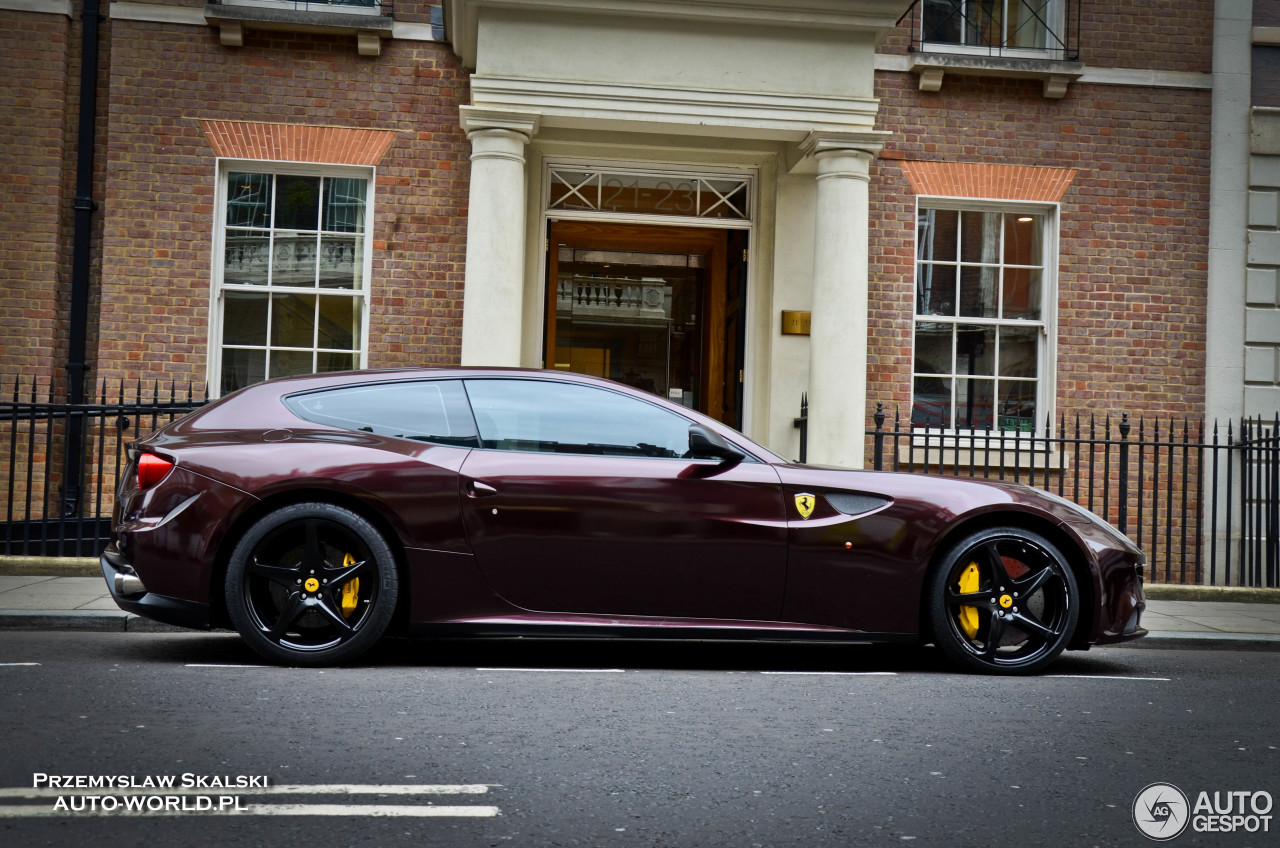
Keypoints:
pixel 493 300
pixel 838 332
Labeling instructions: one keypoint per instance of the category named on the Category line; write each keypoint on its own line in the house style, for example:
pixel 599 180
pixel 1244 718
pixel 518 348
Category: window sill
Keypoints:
pixel 1056 74
pixel 982 451
pixel 233 20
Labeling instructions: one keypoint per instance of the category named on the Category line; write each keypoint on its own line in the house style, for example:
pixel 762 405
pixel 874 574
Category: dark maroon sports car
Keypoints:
pixel 314 514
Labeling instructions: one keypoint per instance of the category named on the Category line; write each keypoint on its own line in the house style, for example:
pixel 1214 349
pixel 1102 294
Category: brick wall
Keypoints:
pixel 1174 35
pixel 1133 246
pixel 35 152
pixel 162 173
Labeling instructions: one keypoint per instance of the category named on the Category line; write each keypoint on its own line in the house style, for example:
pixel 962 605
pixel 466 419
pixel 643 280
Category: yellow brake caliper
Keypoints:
pixel 351 589
pixel 969 582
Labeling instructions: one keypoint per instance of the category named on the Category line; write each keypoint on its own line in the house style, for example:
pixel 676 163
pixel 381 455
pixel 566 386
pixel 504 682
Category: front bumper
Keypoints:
pixel 130 595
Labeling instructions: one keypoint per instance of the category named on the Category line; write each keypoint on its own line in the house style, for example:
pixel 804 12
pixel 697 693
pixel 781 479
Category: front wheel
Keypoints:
pixel 311 584
pixel 1003 601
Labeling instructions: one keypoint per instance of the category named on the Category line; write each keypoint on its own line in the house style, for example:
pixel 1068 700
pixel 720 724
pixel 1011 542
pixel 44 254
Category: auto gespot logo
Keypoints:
pixel 1162 811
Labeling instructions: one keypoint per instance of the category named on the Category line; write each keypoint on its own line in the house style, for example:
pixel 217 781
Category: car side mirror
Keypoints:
pixel 706 444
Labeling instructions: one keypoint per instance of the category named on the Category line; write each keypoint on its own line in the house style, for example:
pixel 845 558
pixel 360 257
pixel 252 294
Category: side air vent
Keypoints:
pixel 855 504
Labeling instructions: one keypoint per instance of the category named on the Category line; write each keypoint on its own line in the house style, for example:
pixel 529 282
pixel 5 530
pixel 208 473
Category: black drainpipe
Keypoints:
pixel 84 206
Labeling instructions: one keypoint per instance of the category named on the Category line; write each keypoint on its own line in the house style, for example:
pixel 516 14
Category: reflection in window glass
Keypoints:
pixel 539 415
pixel 434 411
pixel 980 289
pixel 290 235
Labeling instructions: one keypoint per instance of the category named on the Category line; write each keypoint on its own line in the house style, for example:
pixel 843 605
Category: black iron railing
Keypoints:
pixel 59 461
pixel 1025 28
pixel 1203 504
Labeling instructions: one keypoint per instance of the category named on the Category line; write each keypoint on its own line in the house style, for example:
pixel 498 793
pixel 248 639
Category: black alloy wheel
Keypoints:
pixel 1003 601
pixel 311 584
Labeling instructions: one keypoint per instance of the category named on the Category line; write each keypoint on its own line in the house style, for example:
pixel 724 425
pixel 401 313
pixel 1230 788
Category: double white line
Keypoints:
pixel 428 810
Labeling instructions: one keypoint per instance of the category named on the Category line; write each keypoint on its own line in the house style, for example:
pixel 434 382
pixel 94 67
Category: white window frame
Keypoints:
pixel 217 266
pixel 1055 21
pixel 1048 323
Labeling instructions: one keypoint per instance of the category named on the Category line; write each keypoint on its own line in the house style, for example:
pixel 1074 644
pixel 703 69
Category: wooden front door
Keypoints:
pixel 647 306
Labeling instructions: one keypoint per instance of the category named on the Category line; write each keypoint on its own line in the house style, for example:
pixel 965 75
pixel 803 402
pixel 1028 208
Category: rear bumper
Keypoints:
pixel 131 595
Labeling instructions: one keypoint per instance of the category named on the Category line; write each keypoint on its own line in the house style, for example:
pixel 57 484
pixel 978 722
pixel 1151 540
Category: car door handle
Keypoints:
pixel 476 489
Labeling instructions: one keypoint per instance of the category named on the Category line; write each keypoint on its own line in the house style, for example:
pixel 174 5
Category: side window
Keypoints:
pixel 429 411
pixel 541 415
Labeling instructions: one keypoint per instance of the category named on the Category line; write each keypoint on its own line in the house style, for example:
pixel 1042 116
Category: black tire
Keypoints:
pixel 285 585
pixel 1023 611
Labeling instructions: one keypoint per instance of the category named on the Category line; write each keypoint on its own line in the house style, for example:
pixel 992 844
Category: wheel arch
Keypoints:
pixel 217 603
pixel 1046 527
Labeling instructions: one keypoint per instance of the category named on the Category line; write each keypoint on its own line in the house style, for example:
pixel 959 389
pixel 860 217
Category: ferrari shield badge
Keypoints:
pixel 805 503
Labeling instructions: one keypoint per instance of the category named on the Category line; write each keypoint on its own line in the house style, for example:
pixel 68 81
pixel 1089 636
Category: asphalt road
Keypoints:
pixel 620 744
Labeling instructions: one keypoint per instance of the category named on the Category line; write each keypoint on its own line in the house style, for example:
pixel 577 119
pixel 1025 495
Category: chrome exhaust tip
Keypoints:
pixel 128 584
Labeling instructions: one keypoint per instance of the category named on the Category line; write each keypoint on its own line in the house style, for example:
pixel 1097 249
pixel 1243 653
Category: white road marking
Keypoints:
pixel 427 810
pixel 839 674
pixel 13 664
pixel 565 670
pixel 373 810
pixel 279 789
pixel 1107 677
pixel 224 665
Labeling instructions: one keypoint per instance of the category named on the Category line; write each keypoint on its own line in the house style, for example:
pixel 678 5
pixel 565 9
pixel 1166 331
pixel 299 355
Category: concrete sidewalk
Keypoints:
pixel 46 602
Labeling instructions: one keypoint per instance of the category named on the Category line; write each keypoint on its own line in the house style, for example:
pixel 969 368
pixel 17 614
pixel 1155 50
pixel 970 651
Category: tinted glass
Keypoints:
pixel 432 411
pixel 537 415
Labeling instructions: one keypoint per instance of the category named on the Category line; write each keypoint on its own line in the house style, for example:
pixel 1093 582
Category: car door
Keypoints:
pixel 580 501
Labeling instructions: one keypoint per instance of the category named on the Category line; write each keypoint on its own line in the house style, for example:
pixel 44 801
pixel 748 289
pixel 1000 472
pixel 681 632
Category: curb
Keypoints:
pixel 1227 594
pixel 32 566
pixel 1199 641
pixel 85 621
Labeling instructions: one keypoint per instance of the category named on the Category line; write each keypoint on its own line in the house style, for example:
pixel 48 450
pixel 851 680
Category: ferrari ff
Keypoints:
pixel 317 514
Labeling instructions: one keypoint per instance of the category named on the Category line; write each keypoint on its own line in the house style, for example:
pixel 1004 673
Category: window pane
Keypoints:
pixel 248 200
pixel 1026 26
pixel 293 260
pixel 941 21
pixel 429 411
pixel 327 361
pixel 933 349
pixel 980 232
pixel 241 368
pixel 1022 239
pixel 339 323
pixel 1018 351
pixel 293 322
pixel 976 350
pixel 344 205
pixel 288 363
pixel 245 258
pixel 936 234
pixel 297 202
pixel 1021 293
pixel 244 318
pixel 341 262
pixel 936 290
pixel 974 404
pixel 983 19
pixel 931 402
pixel 536 415
pixel 978 286
pixel 1018 405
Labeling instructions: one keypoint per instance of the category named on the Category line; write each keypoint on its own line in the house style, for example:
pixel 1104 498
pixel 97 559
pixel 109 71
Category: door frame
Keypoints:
pixel 652 238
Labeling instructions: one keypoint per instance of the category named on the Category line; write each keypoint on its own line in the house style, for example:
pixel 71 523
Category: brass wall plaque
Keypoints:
pixel 795 323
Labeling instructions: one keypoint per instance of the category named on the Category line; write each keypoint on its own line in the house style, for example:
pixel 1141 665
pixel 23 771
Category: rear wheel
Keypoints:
pixel 311 584
pixel 1003 601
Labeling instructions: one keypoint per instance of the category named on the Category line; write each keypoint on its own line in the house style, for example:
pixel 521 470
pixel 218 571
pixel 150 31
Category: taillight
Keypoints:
pixel 152 469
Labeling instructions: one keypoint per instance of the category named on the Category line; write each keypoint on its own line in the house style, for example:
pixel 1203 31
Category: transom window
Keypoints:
pixel 638 192
pixel 291 283
pixel 982 284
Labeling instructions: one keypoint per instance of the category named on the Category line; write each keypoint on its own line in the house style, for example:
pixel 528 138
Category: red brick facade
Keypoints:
pixel 162 171
pixel 38 77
